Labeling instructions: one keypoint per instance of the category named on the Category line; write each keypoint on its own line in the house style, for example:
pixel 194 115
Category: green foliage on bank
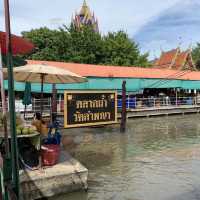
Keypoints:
pixel 85 46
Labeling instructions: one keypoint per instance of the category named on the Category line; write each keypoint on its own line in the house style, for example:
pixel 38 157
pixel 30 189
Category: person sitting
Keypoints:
pixel 54 135
pixel 40 125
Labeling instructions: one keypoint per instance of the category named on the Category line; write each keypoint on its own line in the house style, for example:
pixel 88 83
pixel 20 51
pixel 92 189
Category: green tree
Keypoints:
pixel 46 42
pixel 17 61
pixel 85 46
pixel 196 55
pixel 121 50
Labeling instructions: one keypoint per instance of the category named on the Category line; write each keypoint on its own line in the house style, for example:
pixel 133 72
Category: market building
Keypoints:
pixel 110 77
pixel 141 83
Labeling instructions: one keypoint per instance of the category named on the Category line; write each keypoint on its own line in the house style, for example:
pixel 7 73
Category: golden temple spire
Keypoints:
pixel 85 9
pixel 84 3
pixel 85 18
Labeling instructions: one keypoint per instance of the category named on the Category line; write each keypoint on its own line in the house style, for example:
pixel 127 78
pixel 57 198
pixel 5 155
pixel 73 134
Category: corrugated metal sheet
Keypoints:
pixel 92 84
pixel 113 84
pixel 160 83
pixel 190 85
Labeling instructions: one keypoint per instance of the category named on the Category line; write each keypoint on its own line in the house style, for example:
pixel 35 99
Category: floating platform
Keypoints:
pixel 160 111
pixel 67 176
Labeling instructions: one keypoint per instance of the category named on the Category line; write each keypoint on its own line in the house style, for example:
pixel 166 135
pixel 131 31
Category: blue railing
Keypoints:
pixel 130 103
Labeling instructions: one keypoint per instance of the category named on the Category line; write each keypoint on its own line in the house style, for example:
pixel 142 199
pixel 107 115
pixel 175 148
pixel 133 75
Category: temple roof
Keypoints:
pixel 85 10
pixel 175 59
pixel 85 18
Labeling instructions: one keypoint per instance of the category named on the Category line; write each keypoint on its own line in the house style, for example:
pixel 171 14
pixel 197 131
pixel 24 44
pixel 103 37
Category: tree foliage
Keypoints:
pixel 17 61
pixel 85 46
pixel 196 55
pixel 121 50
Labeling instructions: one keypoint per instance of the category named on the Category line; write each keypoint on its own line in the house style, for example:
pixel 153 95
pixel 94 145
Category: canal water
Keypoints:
pixel 156 159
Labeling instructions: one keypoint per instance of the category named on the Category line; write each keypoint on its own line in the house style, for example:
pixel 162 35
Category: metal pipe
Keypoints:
pixel 42 94
pixel 54 101
pixel 14 149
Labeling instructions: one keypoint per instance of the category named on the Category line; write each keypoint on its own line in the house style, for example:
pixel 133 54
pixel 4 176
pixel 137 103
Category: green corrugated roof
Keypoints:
pixel 112 84
pixel 92 84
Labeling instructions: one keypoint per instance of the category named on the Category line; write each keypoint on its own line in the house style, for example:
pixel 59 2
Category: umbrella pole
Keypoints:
pixel 41 111
pixel 42 94
pixel 54 102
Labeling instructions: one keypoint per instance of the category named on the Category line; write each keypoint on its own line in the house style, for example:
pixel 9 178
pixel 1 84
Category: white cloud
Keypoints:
pixel 180 21
pixel 113 15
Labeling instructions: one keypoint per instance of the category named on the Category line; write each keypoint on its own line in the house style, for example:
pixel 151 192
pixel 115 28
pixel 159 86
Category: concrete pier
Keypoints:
pixel 67 176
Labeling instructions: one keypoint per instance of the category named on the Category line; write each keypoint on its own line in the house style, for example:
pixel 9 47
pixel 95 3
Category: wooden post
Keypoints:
pixel 54 101
pixel 176 97
pixel 123 114
pixel 60 102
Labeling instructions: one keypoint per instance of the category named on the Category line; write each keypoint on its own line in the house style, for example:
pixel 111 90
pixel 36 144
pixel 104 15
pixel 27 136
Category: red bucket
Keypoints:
pixel 50 154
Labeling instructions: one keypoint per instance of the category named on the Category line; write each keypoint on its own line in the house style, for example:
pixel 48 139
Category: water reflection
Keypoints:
pixel 157 158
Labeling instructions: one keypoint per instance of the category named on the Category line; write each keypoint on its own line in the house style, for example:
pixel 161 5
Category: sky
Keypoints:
pixel 178 25
pixel 146 21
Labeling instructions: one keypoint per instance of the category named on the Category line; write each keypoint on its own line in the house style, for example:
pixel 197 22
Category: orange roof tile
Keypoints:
pixel 87 70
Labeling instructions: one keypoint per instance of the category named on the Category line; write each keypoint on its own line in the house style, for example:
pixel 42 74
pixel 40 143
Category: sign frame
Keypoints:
pixel 66 92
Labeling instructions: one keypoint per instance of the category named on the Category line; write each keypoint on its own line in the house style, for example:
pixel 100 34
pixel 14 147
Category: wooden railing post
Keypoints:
pixel 123 114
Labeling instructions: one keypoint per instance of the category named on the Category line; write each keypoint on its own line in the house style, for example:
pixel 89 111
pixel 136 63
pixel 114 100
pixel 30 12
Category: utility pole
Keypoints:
pixel 14 149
